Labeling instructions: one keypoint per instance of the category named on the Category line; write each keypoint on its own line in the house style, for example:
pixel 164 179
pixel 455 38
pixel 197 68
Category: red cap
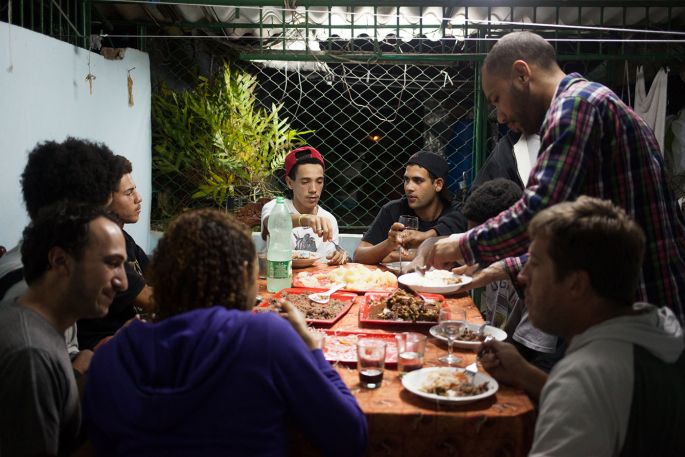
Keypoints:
pixel 299 155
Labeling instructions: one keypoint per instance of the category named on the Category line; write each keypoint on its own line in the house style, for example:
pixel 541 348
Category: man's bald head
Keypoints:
pixel 526 46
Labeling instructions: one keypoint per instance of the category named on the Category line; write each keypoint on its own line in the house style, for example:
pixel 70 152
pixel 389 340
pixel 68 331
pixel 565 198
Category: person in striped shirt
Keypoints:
pixel 591 144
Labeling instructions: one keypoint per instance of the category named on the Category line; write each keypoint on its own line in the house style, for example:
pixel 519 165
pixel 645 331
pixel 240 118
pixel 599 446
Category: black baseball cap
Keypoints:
pixel 437 165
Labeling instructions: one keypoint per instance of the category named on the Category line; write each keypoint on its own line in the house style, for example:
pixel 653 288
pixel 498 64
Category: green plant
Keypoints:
pixel 216 143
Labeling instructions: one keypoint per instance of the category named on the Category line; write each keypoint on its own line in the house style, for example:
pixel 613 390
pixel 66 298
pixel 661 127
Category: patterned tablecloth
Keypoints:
pixel 402 424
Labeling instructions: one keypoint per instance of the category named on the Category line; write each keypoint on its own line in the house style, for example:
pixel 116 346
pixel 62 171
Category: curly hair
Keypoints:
pixel 595 236
pixel 200 261
pixel 75 169
pixel 491 198
pixel 64 224
pixel 120 166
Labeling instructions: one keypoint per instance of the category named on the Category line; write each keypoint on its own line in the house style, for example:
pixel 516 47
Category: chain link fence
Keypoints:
pixel 367 118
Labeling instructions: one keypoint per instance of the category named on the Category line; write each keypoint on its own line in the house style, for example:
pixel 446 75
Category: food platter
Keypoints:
pixel 341 346
pixel 356 277
pixel 496 333
pixel 303 259
pixel 342 299
pixel 371 308
pixel 430 282
pixel 417 382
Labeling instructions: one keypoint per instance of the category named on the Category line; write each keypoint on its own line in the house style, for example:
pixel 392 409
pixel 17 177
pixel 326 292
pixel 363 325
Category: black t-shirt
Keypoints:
pixel 91 331
pixel 451 220
pixel 501 163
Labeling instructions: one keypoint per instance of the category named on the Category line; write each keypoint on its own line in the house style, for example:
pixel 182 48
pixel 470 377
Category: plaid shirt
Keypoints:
pixel 593 144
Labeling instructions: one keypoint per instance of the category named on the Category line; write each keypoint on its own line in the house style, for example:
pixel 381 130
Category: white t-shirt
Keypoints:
pixel 526 153
pixel 304 238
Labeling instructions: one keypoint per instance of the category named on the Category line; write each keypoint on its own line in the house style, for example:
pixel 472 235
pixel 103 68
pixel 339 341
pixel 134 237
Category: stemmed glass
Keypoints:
pixel 410 223
pixel 450 325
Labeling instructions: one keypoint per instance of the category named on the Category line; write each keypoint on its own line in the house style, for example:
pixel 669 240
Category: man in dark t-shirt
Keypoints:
pixel 427 198
pixel 126 206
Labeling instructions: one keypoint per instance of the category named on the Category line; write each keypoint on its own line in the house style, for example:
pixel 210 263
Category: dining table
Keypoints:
pixel 404 424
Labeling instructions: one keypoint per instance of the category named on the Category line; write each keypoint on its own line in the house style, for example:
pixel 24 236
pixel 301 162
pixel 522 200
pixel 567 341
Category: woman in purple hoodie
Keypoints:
pixel 211 378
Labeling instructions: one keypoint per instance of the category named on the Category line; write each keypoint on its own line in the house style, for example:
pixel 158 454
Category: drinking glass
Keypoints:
pixel 370 362
pixel 263 263
pixel 411 347
pixel 410 223
pixel 450 326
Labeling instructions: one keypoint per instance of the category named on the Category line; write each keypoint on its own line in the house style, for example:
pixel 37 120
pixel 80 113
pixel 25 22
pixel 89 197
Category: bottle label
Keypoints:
pixel 279 269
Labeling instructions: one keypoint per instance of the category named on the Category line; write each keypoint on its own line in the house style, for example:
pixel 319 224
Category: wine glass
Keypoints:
pixel 410 223
pixel 450 326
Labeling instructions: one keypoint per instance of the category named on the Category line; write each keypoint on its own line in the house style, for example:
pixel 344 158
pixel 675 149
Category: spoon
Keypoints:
pixel 324 297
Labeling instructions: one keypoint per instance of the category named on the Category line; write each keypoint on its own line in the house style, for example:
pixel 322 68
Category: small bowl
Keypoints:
pixel 302 259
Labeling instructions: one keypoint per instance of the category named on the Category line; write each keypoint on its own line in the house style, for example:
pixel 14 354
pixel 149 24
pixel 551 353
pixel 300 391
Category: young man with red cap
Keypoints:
pixel 314 228
pixel 427 198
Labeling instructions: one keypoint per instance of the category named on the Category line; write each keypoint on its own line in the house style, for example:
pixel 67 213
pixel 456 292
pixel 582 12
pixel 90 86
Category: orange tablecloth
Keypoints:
pixel 402 424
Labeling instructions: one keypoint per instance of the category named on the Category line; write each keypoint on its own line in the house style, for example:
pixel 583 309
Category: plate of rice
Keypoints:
pixel 434 281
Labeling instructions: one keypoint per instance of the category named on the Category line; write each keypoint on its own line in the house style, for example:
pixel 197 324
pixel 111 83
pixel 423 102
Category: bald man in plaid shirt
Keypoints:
pixel 591 144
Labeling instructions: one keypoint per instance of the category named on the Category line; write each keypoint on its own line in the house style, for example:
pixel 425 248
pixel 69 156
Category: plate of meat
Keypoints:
pixel 314 313
pixel 400 308
pixel 468 337
pixel 449 385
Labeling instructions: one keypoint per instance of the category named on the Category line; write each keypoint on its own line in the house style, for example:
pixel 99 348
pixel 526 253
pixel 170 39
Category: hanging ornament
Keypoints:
pixel 130 87
pixel 90 77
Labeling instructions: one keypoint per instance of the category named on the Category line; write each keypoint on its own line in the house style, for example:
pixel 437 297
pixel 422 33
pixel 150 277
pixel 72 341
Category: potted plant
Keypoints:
pixel 215 145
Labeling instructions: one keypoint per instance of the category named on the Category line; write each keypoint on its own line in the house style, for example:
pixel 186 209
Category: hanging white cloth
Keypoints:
pixel 652 105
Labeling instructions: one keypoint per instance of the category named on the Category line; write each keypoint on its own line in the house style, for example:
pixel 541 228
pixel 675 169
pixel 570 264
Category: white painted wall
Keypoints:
pixel 44 96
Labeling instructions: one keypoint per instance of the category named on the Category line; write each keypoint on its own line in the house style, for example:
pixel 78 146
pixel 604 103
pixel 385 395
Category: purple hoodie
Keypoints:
pixel 213 382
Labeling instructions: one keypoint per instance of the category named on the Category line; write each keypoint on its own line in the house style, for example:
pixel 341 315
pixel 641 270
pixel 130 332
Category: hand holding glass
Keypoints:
pixel 450 326
pixel 410 223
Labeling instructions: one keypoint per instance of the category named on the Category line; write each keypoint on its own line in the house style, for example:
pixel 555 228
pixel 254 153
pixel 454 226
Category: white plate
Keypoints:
pixel 497 333
pixel 414 282
pixel 395 266
pixel 414 380
pixel 302 263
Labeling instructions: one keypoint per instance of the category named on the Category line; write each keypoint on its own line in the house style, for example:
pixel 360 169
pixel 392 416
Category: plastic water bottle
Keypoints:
pixel 279 256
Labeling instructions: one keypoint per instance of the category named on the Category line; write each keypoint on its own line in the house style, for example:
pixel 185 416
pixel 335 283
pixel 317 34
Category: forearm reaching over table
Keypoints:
pixel 559 175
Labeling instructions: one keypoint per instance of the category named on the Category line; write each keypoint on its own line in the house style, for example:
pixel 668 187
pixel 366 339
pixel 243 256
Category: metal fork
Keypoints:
pixel 481 351
pixel 339 249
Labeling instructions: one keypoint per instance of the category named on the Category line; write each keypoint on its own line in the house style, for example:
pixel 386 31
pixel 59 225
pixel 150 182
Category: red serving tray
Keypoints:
pixel 342 296
pixel 341 346
pixel 365 309
pixel 328 283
